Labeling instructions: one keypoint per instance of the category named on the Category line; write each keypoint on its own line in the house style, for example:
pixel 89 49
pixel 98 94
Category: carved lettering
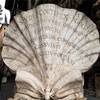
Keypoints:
pixel 49 45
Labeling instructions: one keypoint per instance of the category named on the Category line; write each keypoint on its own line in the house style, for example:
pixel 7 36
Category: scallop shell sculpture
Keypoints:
pixel 50 47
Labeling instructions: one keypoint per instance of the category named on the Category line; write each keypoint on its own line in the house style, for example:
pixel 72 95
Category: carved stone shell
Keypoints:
pixel 50 47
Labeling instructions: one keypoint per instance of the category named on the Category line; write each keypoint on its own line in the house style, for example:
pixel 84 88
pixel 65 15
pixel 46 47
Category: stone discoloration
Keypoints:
pixel 50 47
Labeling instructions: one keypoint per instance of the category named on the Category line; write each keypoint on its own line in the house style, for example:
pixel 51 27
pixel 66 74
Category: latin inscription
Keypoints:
pixel 58 23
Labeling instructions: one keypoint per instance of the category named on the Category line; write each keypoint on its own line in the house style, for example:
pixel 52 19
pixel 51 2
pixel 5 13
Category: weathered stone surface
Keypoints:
pixel 49 48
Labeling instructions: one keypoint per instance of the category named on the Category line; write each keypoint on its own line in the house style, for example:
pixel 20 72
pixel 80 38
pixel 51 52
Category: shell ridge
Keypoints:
pixel 67 78
pixel 25 24
pixel 76 27
pixel 19 45
pixel 29 44
pixel 15 59
pixel 73 32
pixel 40 41
pixel 57 81
pixel 19 51
pixel 94 53
pixel 30 79
pixel 69 29
pixel 78 42
pixel 23 49
pixel 63 35
pixel 16 42
pixel 86 43
pixel 63 89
